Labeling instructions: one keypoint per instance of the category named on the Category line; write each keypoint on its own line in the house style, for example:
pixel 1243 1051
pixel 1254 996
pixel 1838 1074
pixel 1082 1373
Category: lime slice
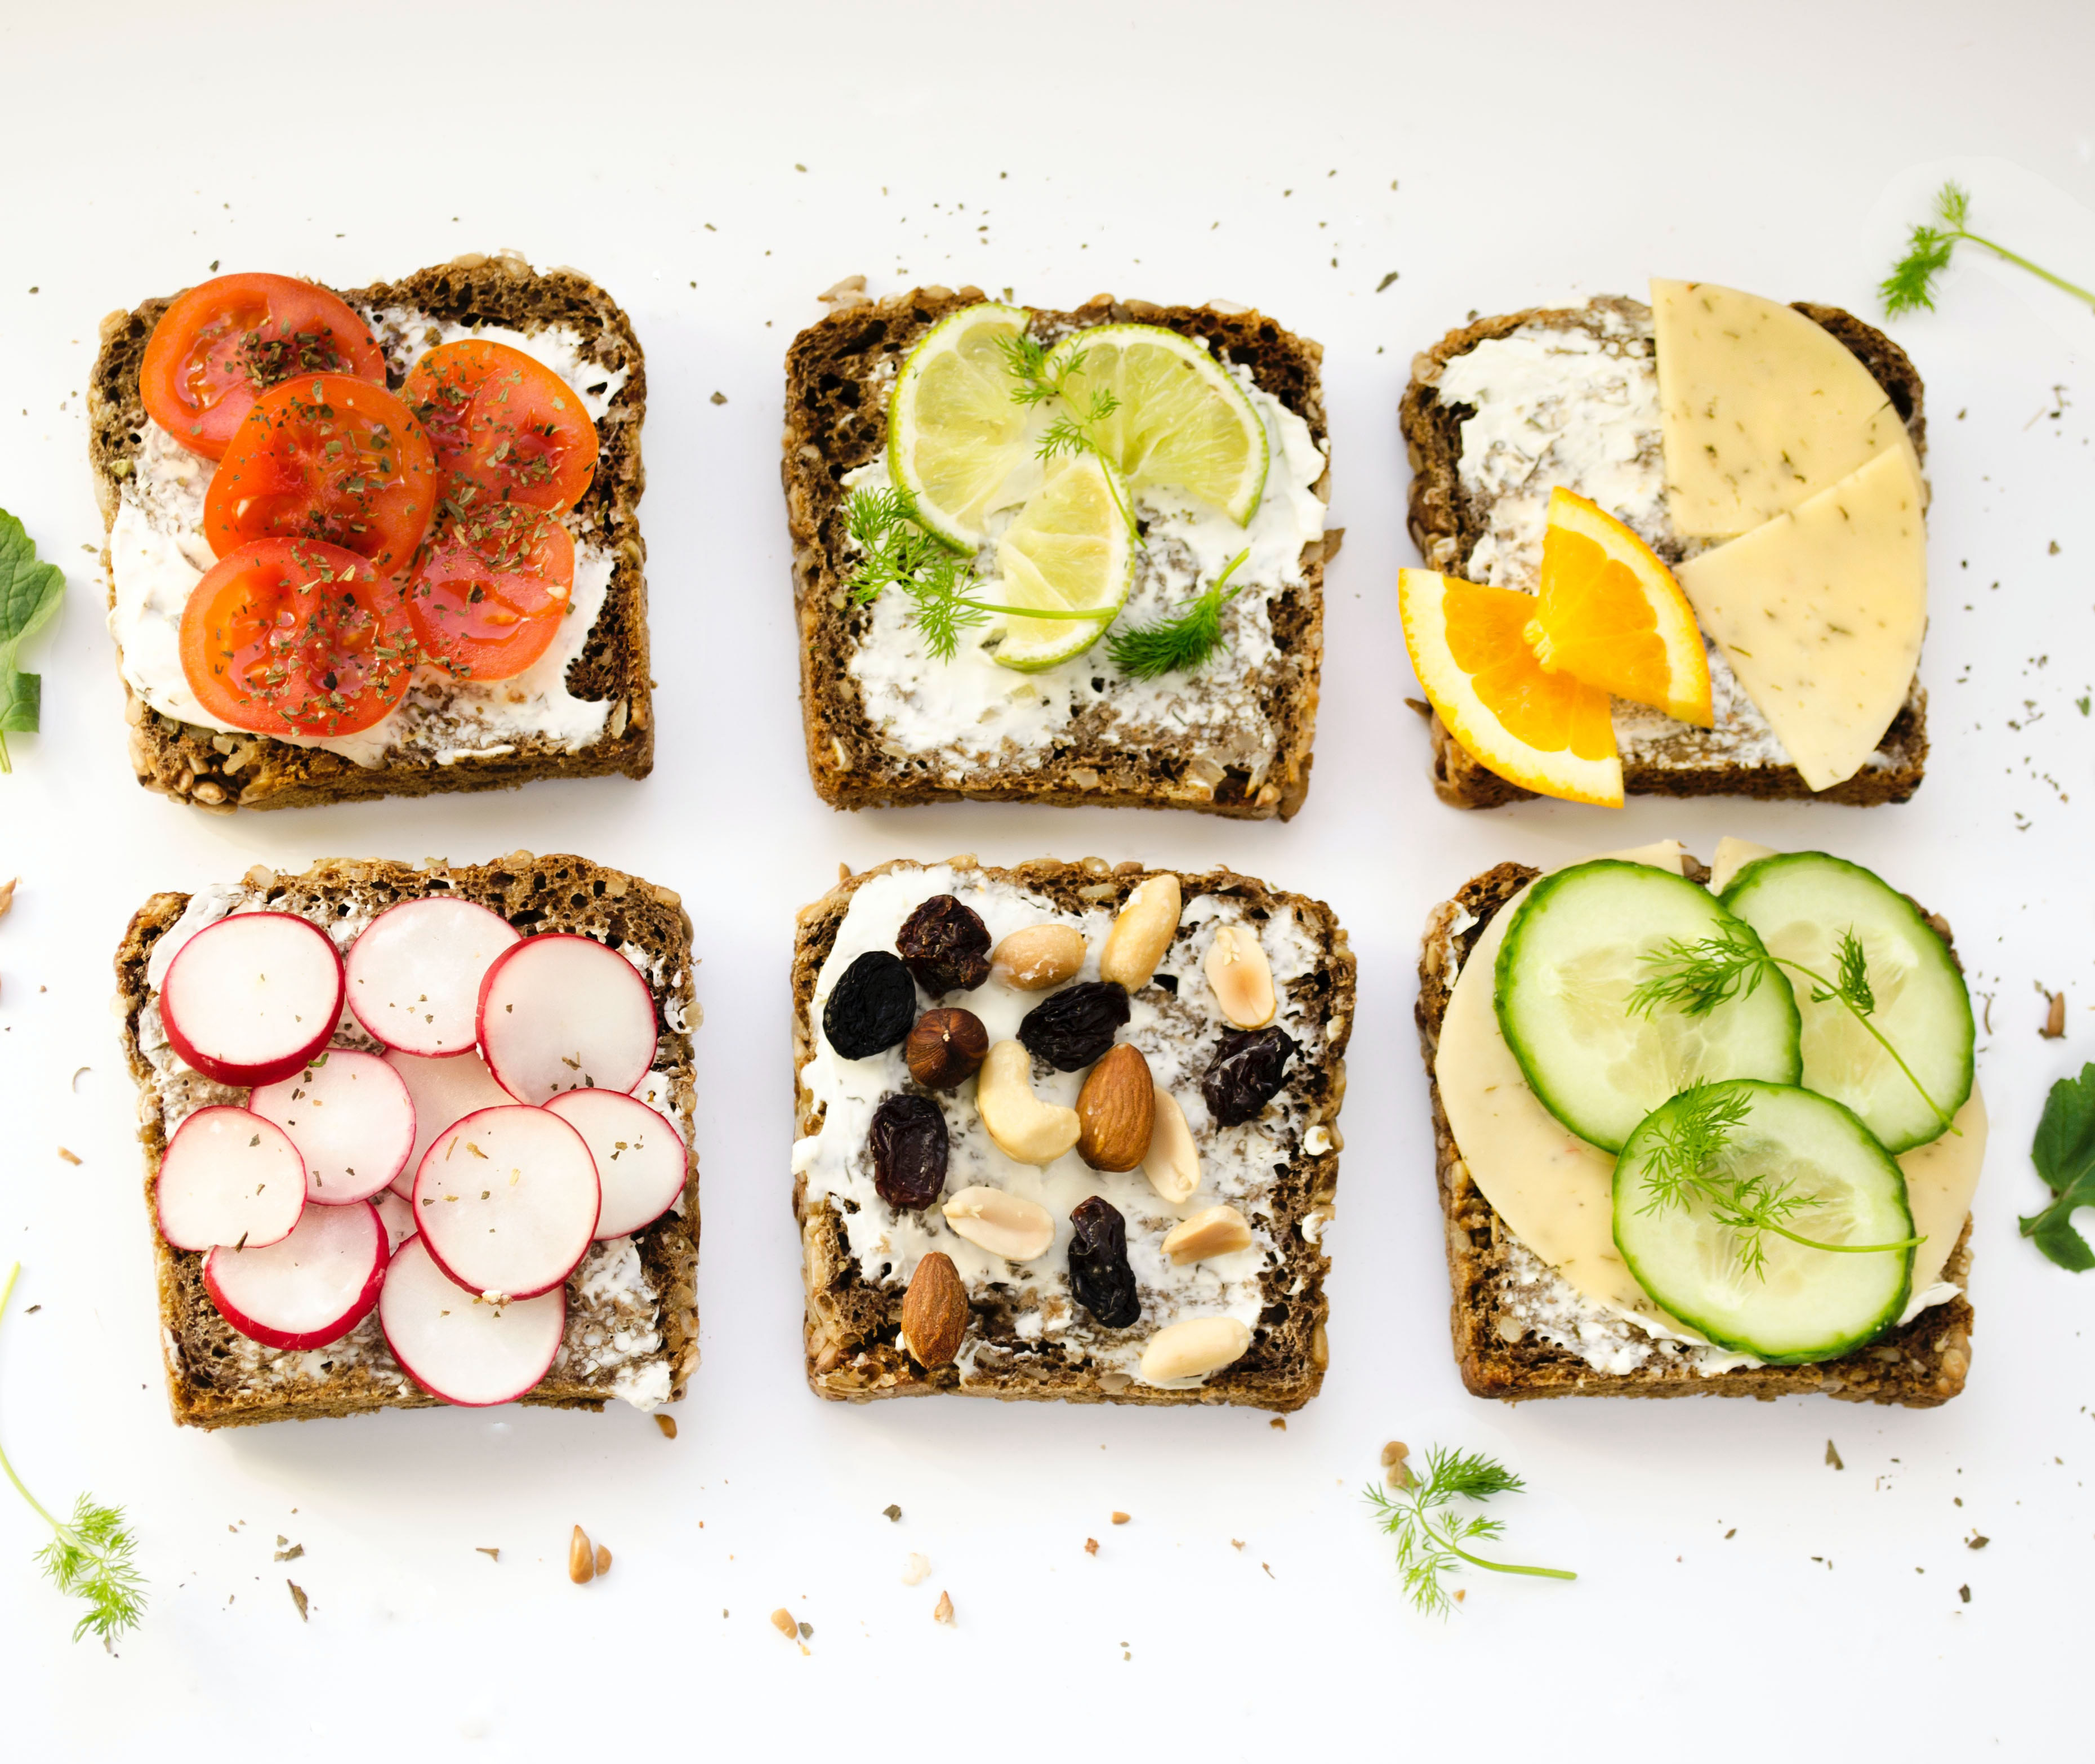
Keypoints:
pixel 1069 551
pixel 1181 419
pixel 953 433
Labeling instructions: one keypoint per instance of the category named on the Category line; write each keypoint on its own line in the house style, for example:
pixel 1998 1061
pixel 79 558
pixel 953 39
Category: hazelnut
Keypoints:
pixel 946 1048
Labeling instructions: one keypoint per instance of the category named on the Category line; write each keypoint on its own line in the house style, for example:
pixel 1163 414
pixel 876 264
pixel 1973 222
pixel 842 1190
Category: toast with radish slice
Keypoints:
pixel 390 1177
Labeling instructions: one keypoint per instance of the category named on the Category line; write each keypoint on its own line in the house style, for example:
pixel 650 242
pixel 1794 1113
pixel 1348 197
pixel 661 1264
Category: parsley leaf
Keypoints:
pixel 2064 1153
pixel 29 594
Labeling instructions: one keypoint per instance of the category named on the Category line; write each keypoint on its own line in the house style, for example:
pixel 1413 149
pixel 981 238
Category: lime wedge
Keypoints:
pixel 1181 419
pixel 953 433
pixel 1069 551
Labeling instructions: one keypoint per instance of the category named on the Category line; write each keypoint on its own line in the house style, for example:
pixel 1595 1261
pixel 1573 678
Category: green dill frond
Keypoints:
pixel 90 1558
pixel 1470 1475
pixel 1953 204
pixel 1910 286
pixel 1852 986
pixel 1066 434
pixel 1695 978
pixel 1425 1552
pixel 1181 643
pixel 1697 1132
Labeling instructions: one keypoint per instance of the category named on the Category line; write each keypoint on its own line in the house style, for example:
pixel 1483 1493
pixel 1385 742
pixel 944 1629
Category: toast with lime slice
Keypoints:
pixel 1067 557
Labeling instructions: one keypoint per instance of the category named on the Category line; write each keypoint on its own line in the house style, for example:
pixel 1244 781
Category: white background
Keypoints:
pixel 1495 156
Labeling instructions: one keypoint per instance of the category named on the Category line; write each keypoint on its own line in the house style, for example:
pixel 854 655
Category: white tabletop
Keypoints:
pixel 715 168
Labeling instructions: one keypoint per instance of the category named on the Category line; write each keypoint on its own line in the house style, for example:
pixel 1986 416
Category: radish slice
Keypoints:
pixel 228 1176
pixel 506 1201
pixel 414 975
pixel 397 1216
pixel 349 1115
pixel 639 1156
pixel 460 1348
pixel 560 1013
pixel 251 998
pixel 445 1092
pixel 311 1289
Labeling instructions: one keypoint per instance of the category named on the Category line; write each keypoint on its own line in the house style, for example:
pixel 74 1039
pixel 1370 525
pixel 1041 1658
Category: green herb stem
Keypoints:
pixel 2020 262
pixel 21 1488
pixel 1453 1548
pixel 1829 990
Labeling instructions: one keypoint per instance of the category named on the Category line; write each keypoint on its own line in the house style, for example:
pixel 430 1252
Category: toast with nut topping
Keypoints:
pixel 1067 1131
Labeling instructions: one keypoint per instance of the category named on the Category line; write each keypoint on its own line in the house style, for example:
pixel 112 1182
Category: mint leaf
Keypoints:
pixel 2064 1153
pixel 29 594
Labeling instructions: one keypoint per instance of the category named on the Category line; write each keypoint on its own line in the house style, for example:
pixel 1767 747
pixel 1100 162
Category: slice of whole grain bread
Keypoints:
pixel 213 770
pixel 219 1378
pixel 838 372
pixel 851 1326
pixel 1920 1365
pixel 1446 522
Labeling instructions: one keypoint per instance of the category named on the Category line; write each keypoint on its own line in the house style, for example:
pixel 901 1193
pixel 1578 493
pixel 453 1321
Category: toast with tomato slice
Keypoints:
pixel 586 711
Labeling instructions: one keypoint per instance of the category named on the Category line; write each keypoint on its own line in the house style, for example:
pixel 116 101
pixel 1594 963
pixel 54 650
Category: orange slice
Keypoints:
pixel 1612 615
pixel 1544 731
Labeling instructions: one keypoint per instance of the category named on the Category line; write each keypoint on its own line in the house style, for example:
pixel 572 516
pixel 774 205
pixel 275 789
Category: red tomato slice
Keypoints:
pixel 229 339
pixel 297 637
pixel 506 428
pixel 326 457
pixel 489 596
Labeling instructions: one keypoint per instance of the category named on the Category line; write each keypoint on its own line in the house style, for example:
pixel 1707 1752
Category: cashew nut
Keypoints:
pixel 1024 1127
pixel 1141 933
pixel 1241 977
pixel 1005 1225
pixel 1172 1162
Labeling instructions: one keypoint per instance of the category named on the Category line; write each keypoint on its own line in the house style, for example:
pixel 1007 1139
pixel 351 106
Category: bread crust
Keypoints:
pixel 850 1329
pixel 1445 524
pixel 1921 1365
pixel 836 421
pixel 208 1383
pixel 211 770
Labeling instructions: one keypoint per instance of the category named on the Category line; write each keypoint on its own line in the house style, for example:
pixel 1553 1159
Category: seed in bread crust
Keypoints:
pixel 946 1048
pixel 1141 933
pixel 942 1611
pixel 934 1312
pixel 1241 978
pixel 1117 1110
pixel 1193 1347
pixel 781 1620
pixel 1218 1231
pixel 1005 1225
pixel 1173 1161
pixel 581 1558
pixel 1038 957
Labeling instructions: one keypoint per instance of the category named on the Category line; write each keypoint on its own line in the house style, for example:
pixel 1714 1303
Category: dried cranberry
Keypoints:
pixel 946 945
pixel 1245 1073
pixel 1076 1025
pixel 871 1008
pixel 1100 1276
pixel 908 1142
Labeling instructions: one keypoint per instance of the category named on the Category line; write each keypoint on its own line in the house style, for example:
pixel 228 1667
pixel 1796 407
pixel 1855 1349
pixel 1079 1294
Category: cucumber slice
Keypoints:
pixel 1801 903
pixel 1572 955
pixel 1801 1303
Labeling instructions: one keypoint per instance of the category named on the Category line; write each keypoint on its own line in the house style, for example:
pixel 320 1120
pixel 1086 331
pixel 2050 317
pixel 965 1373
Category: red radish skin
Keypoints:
pixel 561 1012
pixel 460 1348
pixel 414 975
pixel 639 1156
pixel 445 1092
pixel 251 998
pixel 351 1117
pixel 312 1288
pixel 228 1176
pixel 399 1217
pixel 507 1201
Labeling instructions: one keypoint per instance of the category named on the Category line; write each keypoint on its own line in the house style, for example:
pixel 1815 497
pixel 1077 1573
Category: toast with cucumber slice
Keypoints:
pixel 1702 1129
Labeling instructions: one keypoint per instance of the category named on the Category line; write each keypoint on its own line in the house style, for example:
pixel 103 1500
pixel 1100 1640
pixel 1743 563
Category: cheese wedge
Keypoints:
pixel 1760 408
pixel 1821 611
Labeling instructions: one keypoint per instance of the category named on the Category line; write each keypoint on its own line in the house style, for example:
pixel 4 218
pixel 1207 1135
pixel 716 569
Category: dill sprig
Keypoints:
pixel 1027 359
pixel 89 1556
pixel 1911 284
pixel 1181 643
pixel 1695 978
pixel 1430 1540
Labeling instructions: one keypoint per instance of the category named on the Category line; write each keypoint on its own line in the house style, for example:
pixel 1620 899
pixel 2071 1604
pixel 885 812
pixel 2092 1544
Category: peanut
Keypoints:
pixel 1005 1225
pixel 1193 1349
pixel 1241 978
pixel 1218 1231
pixel 1037 957
pixel 581 1558
pixel 1172 1162
pixel 1141 933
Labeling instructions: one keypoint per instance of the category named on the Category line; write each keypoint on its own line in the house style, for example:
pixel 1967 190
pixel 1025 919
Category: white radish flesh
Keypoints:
pixel 312 1288
pixel 507 1201
pixel 444 1092
pixel 559 1012
pixel 228 1176
pixel 251 998
pixel 398 1215
pixel 460 1348
pixel 351 1118
pixel 639 1156
pixel 414 974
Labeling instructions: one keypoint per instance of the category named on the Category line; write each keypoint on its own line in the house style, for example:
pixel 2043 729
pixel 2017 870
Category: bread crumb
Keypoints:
pixel 942 1612
pixel 781 1620
pixel 1090 1546
pixel 2055 1021
pixel 492 1555
pixel 914 1568
pixel 1394 1453
pixel 1461 1594
pixel 292 1554
pixel 298 1598
pixel 1964 1593
pixel 668 1424
pixel 7 887
pixel 1236 1543
pixel 807 1631
pixel 720 398
pixel 1977 1540
pixel 70 1157
pixel 893 1512
pixel 1120 1518
pixel 1278 1423
pixel 1833 1458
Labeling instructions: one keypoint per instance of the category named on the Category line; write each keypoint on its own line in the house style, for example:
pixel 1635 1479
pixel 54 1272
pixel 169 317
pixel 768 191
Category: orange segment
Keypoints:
pixel 1544 731
pixel 1611 614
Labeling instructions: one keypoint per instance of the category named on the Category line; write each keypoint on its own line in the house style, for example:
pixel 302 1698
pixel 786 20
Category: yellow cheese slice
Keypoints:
pixel 1821 611
pixel 1731 856
pixel 1556 1193
pixel 1759 407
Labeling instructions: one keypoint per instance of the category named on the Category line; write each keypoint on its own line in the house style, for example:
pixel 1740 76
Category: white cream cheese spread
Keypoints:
pixel 158 554
pixel 1176 1035
pixel 970 709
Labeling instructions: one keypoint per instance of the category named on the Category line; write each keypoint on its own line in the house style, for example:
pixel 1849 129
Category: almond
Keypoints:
pixel 934 1312
pixel 1116 1110
pixel 1037 957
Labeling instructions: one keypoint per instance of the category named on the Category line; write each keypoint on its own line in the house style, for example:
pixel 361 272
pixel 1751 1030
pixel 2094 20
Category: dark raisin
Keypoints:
pixel 908 1142
pixel 1076 1025
pixel 946 945
pixel 1100 1276
pixel 871 1007
pixel 1245 1072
